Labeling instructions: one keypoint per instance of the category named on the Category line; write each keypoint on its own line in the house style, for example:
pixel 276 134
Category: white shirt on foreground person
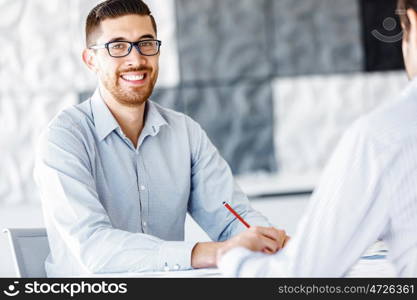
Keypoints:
pixel 368 191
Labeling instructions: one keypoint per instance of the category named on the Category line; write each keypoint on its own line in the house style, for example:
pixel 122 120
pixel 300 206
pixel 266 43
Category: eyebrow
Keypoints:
pixel 118 39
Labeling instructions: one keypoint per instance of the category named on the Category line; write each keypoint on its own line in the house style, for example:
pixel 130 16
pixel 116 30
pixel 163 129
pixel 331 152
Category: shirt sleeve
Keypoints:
pixel 212 183
pixel 76 219
pixel 344 217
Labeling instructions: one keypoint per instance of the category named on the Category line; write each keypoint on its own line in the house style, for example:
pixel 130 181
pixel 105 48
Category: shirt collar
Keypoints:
pixel 105 122
pixel 154 120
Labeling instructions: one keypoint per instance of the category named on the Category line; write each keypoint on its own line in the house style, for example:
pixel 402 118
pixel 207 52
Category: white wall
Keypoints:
pixel 41 72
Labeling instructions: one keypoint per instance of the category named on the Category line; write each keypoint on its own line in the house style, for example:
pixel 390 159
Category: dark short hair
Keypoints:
pixel 113 9
pixel 402 7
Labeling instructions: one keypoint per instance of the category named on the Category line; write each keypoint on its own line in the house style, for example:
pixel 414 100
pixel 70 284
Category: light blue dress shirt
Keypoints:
pixel 111 207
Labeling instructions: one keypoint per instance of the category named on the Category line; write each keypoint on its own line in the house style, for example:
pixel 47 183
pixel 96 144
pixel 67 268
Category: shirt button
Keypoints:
pixel 142 188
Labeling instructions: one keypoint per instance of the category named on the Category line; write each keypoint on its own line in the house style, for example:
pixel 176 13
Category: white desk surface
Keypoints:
pixel 196 273
pixel 373 263
pixel 364 268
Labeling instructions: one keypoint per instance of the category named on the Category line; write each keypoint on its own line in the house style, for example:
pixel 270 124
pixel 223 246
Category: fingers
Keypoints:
pixel 266 239
pixel 281 238
pixel 269 246
pixel 269 251
pixel 287 239
pixel 277 237
pixel 271 232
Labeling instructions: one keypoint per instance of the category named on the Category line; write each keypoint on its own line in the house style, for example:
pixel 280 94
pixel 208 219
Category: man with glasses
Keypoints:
pixel 118 173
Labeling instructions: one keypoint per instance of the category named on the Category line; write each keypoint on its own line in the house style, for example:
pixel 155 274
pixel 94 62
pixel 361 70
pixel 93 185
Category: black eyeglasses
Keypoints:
pixel 123 48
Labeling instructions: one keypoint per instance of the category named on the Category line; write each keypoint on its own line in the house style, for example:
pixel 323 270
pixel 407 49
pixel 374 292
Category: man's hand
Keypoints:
pixel 263 239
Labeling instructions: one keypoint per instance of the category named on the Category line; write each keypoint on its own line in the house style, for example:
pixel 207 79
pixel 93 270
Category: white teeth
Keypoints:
pixel 133 77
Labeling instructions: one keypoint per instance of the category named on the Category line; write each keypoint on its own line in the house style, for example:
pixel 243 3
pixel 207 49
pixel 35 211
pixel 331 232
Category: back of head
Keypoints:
pixel 113 9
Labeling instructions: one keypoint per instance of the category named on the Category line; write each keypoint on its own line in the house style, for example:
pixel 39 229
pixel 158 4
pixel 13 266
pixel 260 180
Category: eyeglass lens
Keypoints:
pixel 119 49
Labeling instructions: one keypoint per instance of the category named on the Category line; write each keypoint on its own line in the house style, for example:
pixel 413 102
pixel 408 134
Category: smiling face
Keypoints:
pixel 127 80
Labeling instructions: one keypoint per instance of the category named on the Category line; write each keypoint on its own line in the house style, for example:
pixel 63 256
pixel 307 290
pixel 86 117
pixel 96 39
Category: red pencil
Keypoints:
pixel 236 214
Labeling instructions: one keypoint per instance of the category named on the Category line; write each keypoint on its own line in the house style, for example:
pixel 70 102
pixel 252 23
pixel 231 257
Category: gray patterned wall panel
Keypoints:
pixel 238 119
pixel 222 39
pixel 170 98
pixel 316 37
pixel 221 45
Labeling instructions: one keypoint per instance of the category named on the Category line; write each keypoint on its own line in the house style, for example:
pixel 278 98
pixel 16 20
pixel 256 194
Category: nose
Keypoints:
pixel 135 58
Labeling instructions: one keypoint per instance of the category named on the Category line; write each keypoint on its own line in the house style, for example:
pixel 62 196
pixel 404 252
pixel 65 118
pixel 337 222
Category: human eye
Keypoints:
pixel 147 43
pixel 118 45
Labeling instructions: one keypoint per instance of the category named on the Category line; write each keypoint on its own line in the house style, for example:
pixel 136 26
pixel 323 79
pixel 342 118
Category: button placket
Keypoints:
pixel 143 193
pixel 140 227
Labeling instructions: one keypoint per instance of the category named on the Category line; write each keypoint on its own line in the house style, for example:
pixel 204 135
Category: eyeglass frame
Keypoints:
pixel 132 44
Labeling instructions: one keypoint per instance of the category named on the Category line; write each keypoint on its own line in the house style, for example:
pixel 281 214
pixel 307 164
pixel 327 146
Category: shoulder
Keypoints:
pixel 395 121
pixel 184 128
pixel 391 125
pixel 75 115
pixel 72 121
pixel 175 119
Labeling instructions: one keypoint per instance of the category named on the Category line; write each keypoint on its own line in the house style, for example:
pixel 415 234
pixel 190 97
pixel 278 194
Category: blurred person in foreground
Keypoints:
pixel 367 192
pixel 118 173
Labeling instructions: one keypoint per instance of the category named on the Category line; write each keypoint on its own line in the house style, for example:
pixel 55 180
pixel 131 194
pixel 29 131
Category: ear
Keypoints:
pixel 412 16
pixel 89 59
